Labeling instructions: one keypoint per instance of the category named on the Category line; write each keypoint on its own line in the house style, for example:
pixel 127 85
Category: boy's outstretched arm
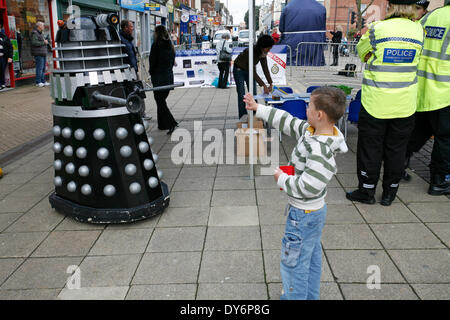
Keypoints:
pixel 277 119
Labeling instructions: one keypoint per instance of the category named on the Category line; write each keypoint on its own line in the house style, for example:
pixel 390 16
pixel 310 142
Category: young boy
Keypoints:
pixel 313 159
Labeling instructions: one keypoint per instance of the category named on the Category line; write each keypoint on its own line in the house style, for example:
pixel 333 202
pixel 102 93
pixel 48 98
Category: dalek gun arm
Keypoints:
pixel 134 102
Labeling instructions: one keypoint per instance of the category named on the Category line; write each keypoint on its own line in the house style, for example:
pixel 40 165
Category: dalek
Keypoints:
pixel 105 170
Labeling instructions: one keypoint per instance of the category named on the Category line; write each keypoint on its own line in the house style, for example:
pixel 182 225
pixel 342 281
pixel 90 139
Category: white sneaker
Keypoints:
pixel 40 85
pixel 46 84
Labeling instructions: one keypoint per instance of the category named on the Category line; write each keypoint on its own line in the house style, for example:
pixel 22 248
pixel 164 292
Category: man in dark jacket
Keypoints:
pixel 39 51
pixel 6 52
pixel 337 38
pixel 126 36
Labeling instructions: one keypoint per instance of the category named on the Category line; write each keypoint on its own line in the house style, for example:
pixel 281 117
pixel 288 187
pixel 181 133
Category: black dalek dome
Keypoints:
pixel 105 170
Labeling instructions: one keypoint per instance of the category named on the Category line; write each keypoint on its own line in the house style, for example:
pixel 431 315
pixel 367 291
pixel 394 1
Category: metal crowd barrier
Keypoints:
pixel 318 56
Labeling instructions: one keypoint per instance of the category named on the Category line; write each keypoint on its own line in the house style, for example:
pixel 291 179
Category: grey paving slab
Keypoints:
pixel 31 294
pixel 406 236
pixel 162 292
pixel 6 219
pixel 343 214
pixel 233 183
pixel 433 291
pixel 353 265
pixel 386 292
pixel 113 242
pixel 418 193
pixel 423 266
pixel 168 268
pixel 232 291
pixel 272 214
pixel 177 239
pixel 268 197
pixel 41 273
pixel 16 203
pixel 184 217
pixel 94 293
pixel 17 177
pixel 354 236
pixel 396 212
pixel 328 291
pixel 348 179
pixel 34 190
pixel 198 172
pixel 40 218
pixel 431 212
pixel 44 177
pixel 233 171
pixel 6 189
pixel 7 267
pixel 234 216
pixel 190 199
pixel 265 182
pixel 233 238
pixel 67 244
pixel 271 236
pixel 442 231
pixel 233 197
pixel 171 173
pixel 16 245
pixel 336 196
pixel 108 271
pixel 193 184
pixel 231 267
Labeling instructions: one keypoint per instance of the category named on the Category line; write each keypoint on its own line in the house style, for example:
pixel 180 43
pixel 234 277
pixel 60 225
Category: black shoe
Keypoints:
pixel 171 130
pixel 406 176
pixel 359 196
pixel 439 186
pixel 387 197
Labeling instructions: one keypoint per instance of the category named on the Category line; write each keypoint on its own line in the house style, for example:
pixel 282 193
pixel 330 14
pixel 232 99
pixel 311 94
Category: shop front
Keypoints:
pixel 138 12
pixel 19 18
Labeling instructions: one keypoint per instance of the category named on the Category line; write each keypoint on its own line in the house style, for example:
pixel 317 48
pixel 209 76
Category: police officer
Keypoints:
pixel 433 103
pixel 421 8
pixel 391 48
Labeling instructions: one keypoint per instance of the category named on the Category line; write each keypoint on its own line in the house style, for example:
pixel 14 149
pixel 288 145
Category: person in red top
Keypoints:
pixel 275 36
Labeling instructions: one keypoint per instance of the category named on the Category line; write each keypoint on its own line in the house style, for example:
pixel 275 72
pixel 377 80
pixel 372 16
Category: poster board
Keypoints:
pixel 198 68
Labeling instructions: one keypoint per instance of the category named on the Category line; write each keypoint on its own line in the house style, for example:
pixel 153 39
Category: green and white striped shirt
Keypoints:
pixel 312 157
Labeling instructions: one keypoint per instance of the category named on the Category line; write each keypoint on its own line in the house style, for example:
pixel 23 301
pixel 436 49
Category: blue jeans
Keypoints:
pixel 301 254
pixel 40 69
pixel 241 78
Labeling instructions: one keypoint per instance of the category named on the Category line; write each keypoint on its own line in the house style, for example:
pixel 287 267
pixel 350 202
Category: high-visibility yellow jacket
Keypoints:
pixel 389 88
pixel 434 66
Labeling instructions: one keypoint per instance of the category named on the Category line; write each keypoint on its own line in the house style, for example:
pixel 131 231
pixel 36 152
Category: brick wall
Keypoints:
pixel 337 13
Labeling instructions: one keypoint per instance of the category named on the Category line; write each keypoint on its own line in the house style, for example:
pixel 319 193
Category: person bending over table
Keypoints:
pixel 241 70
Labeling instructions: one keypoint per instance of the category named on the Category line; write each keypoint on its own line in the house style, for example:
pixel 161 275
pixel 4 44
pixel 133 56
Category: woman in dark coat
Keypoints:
pixel 162 59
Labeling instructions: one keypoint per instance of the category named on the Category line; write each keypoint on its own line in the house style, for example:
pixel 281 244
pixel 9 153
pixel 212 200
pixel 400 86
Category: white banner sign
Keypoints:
pixel 198 68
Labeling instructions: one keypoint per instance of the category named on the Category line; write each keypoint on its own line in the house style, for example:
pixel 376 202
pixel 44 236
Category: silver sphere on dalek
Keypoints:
pixel 104 166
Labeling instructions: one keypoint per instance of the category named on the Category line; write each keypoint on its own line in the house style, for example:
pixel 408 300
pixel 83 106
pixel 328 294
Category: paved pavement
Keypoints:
pixel 220 238
pixel 25 113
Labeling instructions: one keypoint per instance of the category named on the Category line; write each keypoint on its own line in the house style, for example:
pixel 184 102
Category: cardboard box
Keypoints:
pixel 257 124
pixel 243 142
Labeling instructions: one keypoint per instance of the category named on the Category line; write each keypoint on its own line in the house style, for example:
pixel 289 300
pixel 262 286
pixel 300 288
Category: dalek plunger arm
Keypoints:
pixel 134 103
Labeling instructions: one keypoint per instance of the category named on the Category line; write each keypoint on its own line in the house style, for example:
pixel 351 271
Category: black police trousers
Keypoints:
pixel 381 140
pixel 431 123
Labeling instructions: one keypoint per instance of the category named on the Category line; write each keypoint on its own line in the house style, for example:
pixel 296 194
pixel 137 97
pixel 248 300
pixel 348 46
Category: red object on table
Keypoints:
pixel 290 170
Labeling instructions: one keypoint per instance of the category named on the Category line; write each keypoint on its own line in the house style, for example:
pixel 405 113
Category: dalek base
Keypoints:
pixel 110 216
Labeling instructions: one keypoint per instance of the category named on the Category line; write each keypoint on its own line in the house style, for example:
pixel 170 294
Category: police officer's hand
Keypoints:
pixel 9 60
pixel 367 57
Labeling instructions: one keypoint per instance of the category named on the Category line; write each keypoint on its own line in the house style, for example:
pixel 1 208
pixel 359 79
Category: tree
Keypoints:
pixel 359 13
pixel 256 12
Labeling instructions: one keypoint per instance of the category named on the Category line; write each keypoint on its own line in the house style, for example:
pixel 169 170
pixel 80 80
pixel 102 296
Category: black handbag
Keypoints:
pixel 223 55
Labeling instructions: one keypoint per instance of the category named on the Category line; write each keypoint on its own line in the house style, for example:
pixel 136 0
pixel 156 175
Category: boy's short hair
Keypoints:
pixel 330 100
